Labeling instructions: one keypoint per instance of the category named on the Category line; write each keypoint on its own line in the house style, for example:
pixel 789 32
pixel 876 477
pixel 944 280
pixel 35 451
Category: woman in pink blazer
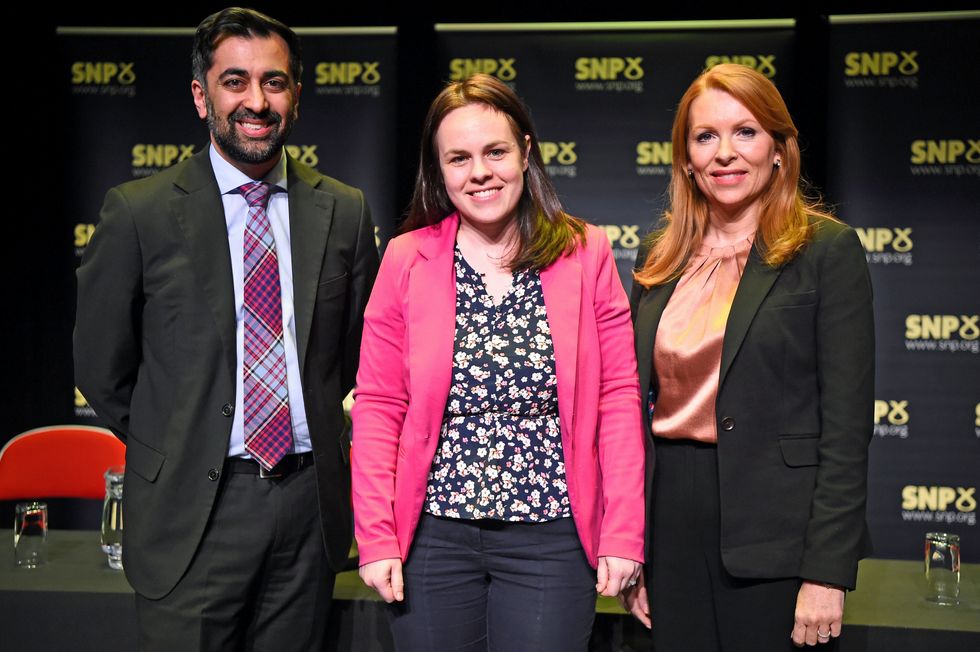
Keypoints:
pixel 498 448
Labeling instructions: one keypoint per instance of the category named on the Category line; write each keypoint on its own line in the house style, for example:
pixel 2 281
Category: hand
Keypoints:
pixel 385 577
pixel 819 610
pixel 614 574
pixel 634 601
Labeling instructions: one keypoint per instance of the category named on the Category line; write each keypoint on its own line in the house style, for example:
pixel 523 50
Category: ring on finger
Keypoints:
pixel 631 583
pixel 822 635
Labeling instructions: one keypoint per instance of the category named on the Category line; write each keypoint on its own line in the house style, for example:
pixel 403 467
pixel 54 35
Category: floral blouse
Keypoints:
pixel 500 454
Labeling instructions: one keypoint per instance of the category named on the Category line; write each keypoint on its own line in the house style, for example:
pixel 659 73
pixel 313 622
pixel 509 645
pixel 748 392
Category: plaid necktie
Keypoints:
pixel 268 431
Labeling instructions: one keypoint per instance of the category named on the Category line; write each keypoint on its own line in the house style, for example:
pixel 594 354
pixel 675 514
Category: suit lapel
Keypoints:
pixel 561 285
pixel 649 311
pixel 757 279
pixel 310 217
pixel 201 218
pixel 432 319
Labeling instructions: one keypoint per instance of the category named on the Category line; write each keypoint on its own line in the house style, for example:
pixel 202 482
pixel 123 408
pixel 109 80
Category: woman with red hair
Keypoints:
pixel 755 341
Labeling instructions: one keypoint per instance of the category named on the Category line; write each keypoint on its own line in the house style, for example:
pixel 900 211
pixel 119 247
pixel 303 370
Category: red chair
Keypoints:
pixel 58 462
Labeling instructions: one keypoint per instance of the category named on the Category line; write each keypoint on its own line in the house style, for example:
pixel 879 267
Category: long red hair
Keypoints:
pixel 784 217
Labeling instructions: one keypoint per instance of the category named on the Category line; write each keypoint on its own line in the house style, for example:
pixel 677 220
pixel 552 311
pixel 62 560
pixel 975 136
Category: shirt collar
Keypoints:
pixel 230 178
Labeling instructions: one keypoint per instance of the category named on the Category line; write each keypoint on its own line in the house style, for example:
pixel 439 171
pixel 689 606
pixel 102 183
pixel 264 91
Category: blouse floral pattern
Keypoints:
pixel 500 453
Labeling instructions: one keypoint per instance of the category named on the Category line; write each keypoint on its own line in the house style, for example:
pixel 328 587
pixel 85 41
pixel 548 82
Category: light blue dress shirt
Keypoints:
pixel 229 179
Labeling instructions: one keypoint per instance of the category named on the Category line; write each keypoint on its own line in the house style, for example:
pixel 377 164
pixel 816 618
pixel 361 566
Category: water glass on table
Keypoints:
pixel 30 534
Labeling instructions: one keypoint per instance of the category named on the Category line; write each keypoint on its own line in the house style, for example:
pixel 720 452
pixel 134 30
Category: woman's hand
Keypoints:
pixel 385 577
pixel 819 610
pixel 635 601
pixel 615 574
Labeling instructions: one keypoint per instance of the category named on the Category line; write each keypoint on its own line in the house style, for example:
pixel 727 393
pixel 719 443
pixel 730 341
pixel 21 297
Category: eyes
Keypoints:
pixel 742 133
pixel 239 84
pixel 495 154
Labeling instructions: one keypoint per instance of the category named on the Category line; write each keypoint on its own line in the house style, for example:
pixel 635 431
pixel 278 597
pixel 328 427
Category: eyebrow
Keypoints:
pixel 241 72
pixel 496 143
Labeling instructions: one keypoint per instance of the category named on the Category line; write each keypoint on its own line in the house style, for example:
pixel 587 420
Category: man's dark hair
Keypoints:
pixel 246 23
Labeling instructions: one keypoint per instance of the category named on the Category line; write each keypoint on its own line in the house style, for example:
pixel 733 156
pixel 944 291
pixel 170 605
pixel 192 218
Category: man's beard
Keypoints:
pixel 246 150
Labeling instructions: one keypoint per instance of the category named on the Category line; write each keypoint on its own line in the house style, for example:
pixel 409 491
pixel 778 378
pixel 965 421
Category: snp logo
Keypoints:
pixel 562 153
pixel 103 73
pixel 650 152
pixel 622 236
pixel 894 413
pixel 761 63
pixel 608 68
pixel 925 152
pixel 877 239
pixel 305 154
pixel 502 69
pixel 82 408
pixel 924 497
pixel 80 401
pixel 346 73
pixel 881 64
pixel 83 233
pixel 935 327
pixel 159 156
pixel 559 158
pixel 891 419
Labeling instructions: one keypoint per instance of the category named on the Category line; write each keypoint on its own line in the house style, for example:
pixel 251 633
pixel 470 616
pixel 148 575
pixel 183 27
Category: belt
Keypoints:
pixel 288 464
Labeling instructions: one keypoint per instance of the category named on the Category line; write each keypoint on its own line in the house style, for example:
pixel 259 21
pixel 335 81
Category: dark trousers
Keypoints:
pixel 259 580
pixel 696 605
pixel 492 585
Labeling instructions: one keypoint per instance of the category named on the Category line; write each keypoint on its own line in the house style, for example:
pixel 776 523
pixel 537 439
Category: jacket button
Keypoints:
pixel 213 474
pixel 728 424
pixel 227 409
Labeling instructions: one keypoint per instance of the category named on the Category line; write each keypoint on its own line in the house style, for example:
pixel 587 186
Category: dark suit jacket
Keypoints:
pixel 155 348
pixel 794 409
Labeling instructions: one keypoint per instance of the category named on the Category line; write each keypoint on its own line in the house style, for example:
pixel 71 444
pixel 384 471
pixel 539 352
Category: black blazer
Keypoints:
pixel 155 348
pixel 794 409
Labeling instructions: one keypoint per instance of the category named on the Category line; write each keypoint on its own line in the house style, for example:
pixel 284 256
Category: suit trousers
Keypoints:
pixel 695 604
pixel 259 580
pixel 478 585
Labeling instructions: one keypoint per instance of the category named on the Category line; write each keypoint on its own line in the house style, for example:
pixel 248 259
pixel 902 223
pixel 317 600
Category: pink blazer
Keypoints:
pixel 404 377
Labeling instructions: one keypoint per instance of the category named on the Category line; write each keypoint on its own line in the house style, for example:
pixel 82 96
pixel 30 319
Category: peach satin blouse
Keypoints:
pixel 687 351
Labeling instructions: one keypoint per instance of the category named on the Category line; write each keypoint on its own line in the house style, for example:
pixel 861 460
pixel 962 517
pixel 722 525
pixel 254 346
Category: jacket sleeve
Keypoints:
pixel 620 432
pixel 380 406
pixel 108 315
pixel 836 533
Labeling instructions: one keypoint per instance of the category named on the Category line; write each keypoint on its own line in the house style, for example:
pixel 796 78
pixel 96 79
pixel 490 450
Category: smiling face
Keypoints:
pixel 250 101
pixel 482 165
pixel 730 155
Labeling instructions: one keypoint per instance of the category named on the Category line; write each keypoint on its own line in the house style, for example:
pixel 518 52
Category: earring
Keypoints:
pixel 690 173
pixel 777 164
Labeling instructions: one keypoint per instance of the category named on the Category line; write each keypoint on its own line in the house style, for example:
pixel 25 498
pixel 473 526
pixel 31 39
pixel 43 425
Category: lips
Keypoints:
pixel 725 177
pixel 253 125
pixel 484 193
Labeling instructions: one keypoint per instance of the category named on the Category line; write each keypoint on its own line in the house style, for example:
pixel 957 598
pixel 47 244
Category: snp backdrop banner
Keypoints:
pixel 603 100
pixel 128 114
pixel 904 153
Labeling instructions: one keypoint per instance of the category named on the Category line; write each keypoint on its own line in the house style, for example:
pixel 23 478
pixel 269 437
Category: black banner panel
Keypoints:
pixel 603 97
pixel 904 157
pixel 129 114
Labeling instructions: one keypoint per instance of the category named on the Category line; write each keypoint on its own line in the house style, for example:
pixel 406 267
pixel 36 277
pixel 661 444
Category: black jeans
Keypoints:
pixel 493 585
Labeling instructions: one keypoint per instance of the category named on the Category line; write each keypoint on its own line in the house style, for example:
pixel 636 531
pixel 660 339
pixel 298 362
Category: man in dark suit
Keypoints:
pixel 217 332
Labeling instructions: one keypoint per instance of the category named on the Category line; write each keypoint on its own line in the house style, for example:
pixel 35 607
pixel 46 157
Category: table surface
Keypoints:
pixel 891 593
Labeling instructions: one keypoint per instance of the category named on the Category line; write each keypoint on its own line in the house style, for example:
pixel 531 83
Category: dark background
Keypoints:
pixel 37 297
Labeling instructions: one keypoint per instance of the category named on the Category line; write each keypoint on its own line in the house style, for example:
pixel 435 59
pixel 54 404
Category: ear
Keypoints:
pixel 299 88
pixel 527 149
pixel 200 99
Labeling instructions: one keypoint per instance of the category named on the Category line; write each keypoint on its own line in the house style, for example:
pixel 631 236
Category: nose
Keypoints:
pixel 726 151
pixel 480 171
pixel 255 99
